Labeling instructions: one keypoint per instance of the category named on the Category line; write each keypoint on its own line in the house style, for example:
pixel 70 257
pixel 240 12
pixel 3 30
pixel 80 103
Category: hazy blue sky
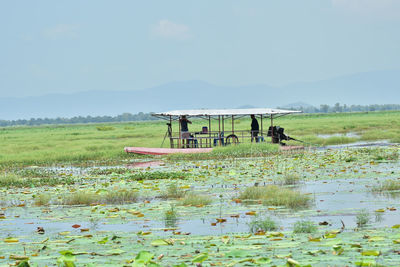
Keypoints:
pixel 69 46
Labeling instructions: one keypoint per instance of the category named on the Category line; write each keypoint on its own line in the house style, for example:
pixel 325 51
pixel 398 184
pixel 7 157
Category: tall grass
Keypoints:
pixel 387 185
pixel 82 197
pixel 120 196
pixel 262 224
pixel 231 151
pixel 304 226
pixel 15 180
pixel 276 196
pixel 173 191
pixel 192 199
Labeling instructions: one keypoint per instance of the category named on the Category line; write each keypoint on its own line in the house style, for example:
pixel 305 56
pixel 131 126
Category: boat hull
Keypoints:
pixel 165 151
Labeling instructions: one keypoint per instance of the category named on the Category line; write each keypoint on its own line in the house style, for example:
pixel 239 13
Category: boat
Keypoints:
pixel 164 151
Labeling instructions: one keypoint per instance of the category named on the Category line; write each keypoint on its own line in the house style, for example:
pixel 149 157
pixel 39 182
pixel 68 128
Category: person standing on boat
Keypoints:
pixel 184 129
pixel 255 128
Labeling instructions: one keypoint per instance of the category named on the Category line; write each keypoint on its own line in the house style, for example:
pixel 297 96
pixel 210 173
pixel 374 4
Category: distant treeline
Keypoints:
pixel 125 117
pixel 88 119
pixel 345 108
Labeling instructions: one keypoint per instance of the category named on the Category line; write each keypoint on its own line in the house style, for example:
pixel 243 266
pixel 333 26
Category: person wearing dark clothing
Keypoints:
pixel 255 128
pixel 184 129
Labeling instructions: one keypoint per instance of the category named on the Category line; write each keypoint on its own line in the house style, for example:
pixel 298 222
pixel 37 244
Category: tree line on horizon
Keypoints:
pixel 338 108
pixel 127 117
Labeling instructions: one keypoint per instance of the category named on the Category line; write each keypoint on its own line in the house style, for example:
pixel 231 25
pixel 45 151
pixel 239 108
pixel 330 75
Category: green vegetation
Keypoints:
pixel 262 224
pixel 276 196
pixel 120 196
pixel 231 151
pixel 108 171
pixel 156 175
pixel 363 218
pixel 82 197
pixel 291 179
pixel 192 199
pixel 77 144
pixel 42 199
pixel 304 226
pixel 171 220
pixel 14 180
pixel 387 185
pixel 105 128
pixel 170 217
pixel 173 191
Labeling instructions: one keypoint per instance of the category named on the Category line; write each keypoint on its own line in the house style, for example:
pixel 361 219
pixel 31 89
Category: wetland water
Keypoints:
pixel 338 181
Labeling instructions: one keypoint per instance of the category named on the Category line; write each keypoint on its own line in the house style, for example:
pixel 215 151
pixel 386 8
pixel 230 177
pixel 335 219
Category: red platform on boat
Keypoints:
pixel 164 151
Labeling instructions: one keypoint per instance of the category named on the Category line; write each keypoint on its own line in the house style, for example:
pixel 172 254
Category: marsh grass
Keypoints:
pixel 381 155
pixel 108 171
pixel 173 191
pixel 272 195
pixel 105 128
pixel 156 175
pixel 120 196
pixel 231 151
pixel 387 185
pixel 192 199
pixel 291 179
pixel 36 173
pixel 15 180
pixel 363 218
pixel 304 226
pixel 10 180
pixel 170 217
pixel 81 197
pixel 42 199
pixel 262 224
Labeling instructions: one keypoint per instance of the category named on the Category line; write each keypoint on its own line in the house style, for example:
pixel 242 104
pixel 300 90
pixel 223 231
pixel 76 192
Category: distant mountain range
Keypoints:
pixel 380 87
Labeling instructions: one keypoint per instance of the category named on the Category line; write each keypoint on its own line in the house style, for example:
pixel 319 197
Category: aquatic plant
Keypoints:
pixel 272 195
pixel 173 191
pixel 387 185
pixel 36 173
pixel 42 199
pixel 14 180
pixel 262 224
pixel 304 226
pixel 120 196
pixel 156 175
pixel 234 151
pixel 291 179
pixel 193 199
pixel 10 179
pixel 363 218
pixel 170 217
pixel 253 193
pixel 82 197
pixel 107 171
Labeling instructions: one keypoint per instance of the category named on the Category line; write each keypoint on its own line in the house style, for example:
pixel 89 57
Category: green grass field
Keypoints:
pixel 105 142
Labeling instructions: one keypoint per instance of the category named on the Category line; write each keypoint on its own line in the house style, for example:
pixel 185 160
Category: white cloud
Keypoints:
pixel 61 31
pixel 170 30
pixel 375 8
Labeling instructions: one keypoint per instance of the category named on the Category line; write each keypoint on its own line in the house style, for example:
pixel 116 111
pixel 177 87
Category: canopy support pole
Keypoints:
pixel 171 140
pixel 233 125
pixel 272 129
pixel 219 130
pixel 261 125
pixel 179 140
pixel 209 130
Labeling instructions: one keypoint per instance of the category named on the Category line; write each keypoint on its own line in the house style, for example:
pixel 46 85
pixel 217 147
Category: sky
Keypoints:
pixel 51 47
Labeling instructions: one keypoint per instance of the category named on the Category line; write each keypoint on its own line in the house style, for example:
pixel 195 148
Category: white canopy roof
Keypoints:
pixel 216 112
